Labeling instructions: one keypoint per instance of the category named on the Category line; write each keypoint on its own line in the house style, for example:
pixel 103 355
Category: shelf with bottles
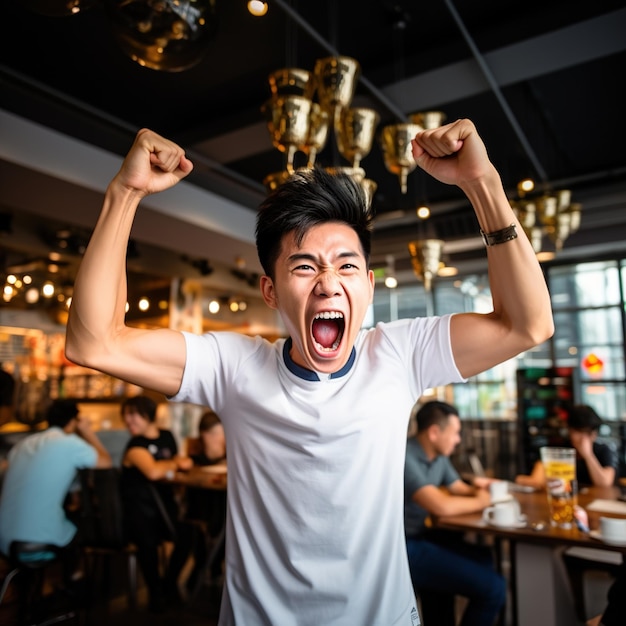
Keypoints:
pixel 87 385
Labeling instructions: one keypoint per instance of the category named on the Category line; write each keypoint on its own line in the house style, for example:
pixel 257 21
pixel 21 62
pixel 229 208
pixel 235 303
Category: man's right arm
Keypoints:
pixel 97 335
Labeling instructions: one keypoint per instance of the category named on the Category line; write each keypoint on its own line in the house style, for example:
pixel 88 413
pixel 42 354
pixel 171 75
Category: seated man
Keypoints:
pixel 446 564
pixel 596 463
pixel 41 469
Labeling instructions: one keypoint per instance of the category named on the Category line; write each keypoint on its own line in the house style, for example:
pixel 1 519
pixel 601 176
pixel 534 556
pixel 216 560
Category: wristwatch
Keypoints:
pixel 499 236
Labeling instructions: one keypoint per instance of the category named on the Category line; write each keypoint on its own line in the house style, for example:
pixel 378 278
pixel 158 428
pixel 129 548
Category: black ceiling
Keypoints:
pixel 543 81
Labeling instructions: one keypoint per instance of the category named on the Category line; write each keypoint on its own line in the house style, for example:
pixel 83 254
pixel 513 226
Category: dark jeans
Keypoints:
pixel 148 535
pixel 447 565
pixel 616 608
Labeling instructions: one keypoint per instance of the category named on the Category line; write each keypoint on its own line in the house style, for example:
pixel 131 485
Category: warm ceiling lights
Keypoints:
pixel 552 215
pixel 423 212
pixel 258 8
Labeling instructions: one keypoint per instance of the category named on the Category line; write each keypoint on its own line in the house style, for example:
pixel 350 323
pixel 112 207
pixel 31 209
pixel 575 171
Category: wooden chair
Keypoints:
pixel 102 528
pixel 581 561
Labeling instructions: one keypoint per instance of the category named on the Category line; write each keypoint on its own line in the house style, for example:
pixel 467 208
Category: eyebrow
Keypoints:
pixel 304 256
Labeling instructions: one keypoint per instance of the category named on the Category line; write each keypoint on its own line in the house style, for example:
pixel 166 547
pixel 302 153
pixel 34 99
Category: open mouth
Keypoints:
pixel 328 330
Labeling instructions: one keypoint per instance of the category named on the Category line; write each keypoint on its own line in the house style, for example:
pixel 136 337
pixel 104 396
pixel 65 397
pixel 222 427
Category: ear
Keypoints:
pixel 433 432
pixel 268 291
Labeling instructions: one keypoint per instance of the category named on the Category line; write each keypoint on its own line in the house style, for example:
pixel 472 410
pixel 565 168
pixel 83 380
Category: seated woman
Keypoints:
pixel 208 506
pixel 150 508
pixel 596 463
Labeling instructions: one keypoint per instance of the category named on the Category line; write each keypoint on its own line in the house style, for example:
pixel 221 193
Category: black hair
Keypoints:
pixel 144 405
pixel 207 421
pixel 308 198
pixel 584 417
pixel 61 412
pixel 434 412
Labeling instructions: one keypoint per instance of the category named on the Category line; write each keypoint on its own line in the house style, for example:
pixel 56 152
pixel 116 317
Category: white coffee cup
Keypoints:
pixel 504 514
pixel 499 490
pixel 613 529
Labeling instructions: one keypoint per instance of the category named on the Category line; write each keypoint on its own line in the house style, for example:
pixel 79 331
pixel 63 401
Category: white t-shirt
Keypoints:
pixel 315 533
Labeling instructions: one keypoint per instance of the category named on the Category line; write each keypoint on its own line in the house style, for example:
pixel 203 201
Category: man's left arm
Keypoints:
pixel 83 429
pixel 522 313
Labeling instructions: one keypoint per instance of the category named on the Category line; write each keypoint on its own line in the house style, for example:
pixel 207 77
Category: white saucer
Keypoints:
pixel 596 534
pixel 520 524
pixel 507 498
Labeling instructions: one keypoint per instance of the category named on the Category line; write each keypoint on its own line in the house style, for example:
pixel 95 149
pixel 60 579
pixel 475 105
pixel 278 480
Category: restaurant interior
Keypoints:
pixel 243 94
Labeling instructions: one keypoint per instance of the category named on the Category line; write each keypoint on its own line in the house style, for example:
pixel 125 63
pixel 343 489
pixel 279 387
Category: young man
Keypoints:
pixel 441 564
pixel 315 530
pixel 41 469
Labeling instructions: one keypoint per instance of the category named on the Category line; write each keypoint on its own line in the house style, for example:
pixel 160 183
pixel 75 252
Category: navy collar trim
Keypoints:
pixel 306 374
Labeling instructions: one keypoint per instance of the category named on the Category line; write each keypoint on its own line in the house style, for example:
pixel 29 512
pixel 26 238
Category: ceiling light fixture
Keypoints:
pixel 258 8
pixel 165 36
pixel 551 216
pixel 426 259
pixel 423 212
pixel 305 106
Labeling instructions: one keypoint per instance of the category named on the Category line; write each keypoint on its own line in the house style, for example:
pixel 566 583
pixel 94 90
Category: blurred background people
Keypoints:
pixel 207 507
pixel 151 510
pixel 41 470
pixel 596 462
pixel 7 396
pixel 442 564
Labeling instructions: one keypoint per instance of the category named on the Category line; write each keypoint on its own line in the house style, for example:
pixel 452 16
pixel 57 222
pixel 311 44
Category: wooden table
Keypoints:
pixel 541 594
pixel 204 477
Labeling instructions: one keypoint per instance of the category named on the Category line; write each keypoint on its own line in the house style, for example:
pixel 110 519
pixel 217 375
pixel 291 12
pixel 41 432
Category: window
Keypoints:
pixel 589 313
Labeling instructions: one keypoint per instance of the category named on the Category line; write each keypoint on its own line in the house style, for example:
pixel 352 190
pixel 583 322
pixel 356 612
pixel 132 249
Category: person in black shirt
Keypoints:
pixel 596 462
pixel 150 508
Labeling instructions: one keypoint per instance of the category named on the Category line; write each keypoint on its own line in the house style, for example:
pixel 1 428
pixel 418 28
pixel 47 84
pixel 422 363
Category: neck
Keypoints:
pixel 427 446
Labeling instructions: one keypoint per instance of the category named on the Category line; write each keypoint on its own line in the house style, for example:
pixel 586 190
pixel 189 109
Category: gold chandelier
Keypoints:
pixel 169 36
pixel 305 106
pixel 551 216
pixel 426 259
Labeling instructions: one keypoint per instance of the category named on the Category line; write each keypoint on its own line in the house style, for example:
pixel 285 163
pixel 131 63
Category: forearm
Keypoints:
pixel 104 458
pixel 519 291
pixel 458 505
pixel 600 476
pixel 164 469
pixel 522 314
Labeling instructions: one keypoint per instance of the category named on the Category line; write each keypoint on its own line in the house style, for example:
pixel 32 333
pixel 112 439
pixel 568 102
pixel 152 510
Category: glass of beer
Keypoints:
pixel 560 469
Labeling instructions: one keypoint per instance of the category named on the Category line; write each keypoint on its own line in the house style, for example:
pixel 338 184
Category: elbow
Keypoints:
pixel 83 348
pixel 538 333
